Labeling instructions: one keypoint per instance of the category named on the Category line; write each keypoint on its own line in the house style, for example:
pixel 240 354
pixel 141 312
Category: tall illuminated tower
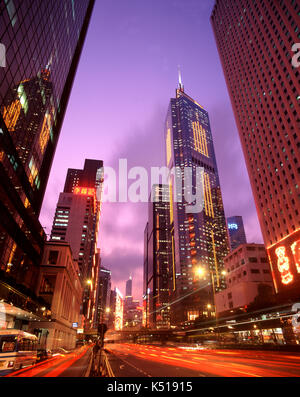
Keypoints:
pixel 76 221
pixel 255 40
pixel 199 239
pixel 128 291
pixel 43 42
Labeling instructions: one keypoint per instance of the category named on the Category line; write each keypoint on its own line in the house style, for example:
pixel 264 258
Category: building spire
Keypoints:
pixel 180 85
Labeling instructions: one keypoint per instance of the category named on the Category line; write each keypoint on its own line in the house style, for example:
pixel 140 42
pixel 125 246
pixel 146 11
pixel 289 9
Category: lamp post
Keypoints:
pixel 200 272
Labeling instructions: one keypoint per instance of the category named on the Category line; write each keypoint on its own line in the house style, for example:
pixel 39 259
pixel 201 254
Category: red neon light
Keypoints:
pixel 283 264
pixel 295 247
pixel 85 191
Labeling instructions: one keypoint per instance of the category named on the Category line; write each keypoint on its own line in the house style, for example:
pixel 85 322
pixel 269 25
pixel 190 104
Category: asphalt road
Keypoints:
pixel 74 364
pixel 132 360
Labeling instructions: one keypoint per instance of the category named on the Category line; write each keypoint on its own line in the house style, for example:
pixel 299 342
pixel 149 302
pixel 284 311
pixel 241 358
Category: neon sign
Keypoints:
pixel 284 259
pixel 283 264
pixel 295 247
pixel 233 226
pixel 85 191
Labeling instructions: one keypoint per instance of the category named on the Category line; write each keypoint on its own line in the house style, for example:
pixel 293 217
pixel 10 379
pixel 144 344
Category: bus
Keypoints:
pixel 18 349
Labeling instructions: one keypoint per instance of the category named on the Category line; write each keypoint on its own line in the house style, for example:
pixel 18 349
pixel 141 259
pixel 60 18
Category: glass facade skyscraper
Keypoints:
pixel 199 239
pixel 158 267
pixel 43 41
pixel 236 231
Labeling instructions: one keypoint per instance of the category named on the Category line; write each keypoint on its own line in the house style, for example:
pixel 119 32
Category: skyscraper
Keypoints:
pixel 199 239
pixel 236 231
pixel 76 221
pixel 254 40
pixel 103 301
pixel 90 177
pixel 158 271
pixel 128 292
pixel 43 42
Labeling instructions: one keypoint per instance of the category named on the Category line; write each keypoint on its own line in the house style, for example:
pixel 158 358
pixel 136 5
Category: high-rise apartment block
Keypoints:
pixel 255 40
pixel 43 41
pixel 199 237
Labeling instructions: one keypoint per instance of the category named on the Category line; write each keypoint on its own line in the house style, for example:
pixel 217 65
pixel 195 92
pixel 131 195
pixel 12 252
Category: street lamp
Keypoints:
pixel 200 272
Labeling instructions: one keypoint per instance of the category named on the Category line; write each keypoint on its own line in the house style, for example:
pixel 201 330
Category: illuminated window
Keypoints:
pixel 11 115
pixel 200 142
pixel 208 204
pixel 45 133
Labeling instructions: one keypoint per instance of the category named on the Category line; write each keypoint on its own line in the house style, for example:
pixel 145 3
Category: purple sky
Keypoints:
pixel 126 77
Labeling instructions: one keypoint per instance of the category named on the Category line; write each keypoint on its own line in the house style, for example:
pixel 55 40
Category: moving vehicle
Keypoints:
pixel 44 354
pixel 18 349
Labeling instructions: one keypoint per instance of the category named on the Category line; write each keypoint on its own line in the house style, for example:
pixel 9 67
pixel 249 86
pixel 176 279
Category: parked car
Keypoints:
pixel 43 354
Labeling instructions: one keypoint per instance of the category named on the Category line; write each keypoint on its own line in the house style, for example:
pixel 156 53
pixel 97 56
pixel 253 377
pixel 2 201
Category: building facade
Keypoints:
pixel 76 221
pixel 73 223
pixel 59 285
pixel 236 231
pixel 255 40
pixel 35 85
pixel 104 295
pixel 158 269
pixel 248 279
pixel 199 237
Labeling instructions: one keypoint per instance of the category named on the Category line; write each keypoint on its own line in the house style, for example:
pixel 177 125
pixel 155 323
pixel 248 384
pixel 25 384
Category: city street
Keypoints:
pixel 75 364
pixel 133 360
pixel 155 361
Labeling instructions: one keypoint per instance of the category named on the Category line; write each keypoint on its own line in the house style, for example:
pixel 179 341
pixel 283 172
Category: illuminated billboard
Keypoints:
pixel 85 191
pixel 118 311
pixel 285 262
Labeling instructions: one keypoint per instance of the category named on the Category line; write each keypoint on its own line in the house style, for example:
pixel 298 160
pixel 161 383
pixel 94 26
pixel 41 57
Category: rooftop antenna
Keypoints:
pixel 180 80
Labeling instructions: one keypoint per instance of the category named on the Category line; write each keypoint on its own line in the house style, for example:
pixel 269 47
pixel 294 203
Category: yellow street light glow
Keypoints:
pixel 107 310
pixel 209 306
pixel 89 282
pixel 200 271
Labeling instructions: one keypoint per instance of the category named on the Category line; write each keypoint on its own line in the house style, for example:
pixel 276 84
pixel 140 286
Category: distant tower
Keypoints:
pixel 128 288
pixel 236 232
